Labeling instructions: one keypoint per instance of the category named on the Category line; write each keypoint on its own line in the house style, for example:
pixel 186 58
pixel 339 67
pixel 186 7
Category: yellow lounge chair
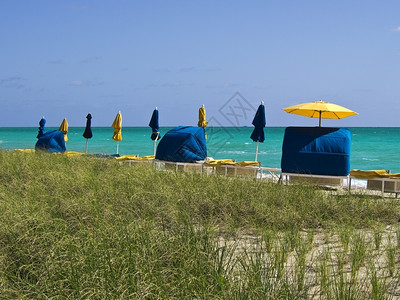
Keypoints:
pixel 126 157
pixel 135 159
pixel 73 153
pixel 25 150
pixel 231 168
pixel 218 162
pixel 379 180
pixel 69 153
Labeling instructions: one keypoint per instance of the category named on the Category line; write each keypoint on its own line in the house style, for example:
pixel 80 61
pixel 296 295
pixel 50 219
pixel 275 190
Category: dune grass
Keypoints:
pixel 84 227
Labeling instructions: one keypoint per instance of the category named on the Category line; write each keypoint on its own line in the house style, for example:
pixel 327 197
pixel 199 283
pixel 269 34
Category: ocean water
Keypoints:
pixel 371 147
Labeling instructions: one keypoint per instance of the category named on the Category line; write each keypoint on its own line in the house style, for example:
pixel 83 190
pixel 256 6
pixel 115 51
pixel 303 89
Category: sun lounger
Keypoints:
pixel 126 157
pixel 69 153
pixel 192 167
pixel 314 179
pixel 133 159
pixel 270 173
pixel 25 150
pixel 229 167
pixel 378 180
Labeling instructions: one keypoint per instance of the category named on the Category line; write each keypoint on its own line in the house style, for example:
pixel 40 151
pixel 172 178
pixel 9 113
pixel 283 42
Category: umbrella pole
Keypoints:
pixel 87 140
pixel 256 151
pixel 319 119
pixel 155 143
pixel 117 146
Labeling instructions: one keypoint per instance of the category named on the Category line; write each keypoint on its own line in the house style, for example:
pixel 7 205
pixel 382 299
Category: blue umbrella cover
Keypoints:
pixel 42 122
pixel 88 130
pixel 259 123
pixel 155 126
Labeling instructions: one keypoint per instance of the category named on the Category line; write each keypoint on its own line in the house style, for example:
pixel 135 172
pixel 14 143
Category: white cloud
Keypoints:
pixel 162 70
pixel 166 84
pixel 79 7
pixel 223 85
pixel 55 62
pixel 77 82
pixel 188 69
pixel 172 84
pixel 397 29
pixel 13 82
pixel 89 60
pixel 213 69
pixel 85 83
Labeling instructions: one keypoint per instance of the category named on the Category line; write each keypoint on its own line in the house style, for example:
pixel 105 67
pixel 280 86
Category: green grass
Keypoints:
pixel 84 227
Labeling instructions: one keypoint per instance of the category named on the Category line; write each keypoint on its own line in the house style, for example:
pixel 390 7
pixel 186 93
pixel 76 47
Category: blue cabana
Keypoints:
pixel 183 144
pixel 51 141
pixel 316 150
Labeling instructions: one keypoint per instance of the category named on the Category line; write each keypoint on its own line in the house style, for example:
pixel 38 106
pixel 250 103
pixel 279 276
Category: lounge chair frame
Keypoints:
pixel 385 185
pixel 381 184
pixel 227 170
pixel 179 166
pixel 328 180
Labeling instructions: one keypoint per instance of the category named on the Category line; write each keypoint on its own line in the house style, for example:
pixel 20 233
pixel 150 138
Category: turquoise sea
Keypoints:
pixel 371 147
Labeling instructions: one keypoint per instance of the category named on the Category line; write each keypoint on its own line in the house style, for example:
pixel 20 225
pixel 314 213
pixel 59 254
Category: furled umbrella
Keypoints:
pixel 259 123
pixel 202 118
pixel 155 127
pixel 87 134
pixel 64 128
pixel 117 125
pixel 42 122
pixel 321 110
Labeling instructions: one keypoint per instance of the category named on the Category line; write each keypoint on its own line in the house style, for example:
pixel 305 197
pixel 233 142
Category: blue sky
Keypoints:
pixel 67 58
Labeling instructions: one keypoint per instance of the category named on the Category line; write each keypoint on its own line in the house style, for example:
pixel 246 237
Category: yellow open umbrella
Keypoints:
pixel 320 110
pixel 64 128
pixel 117 125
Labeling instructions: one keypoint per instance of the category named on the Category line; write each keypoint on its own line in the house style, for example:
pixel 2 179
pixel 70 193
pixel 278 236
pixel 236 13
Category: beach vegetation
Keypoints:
pixel 88 227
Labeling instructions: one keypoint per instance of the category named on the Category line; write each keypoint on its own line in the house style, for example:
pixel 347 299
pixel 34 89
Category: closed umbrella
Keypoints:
pixel 321 110
pixel 202 118
pixel 259 123
pixel 42 122
pixel 87 134
pixel 154 124
pixel 117 125
pixel 64 129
